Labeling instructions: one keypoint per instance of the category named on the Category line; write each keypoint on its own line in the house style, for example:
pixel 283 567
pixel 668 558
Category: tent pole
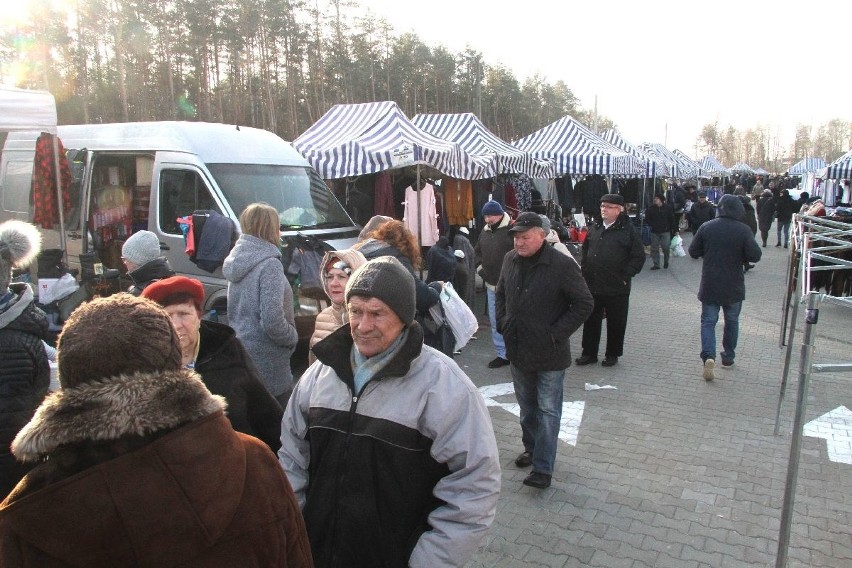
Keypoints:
pixel 419 221
pixel 58 174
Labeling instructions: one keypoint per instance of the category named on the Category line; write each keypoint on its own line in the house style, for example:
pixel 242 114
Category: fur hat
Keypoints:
pixel 20 244
pixel 492 208
pixel 118 335
pixel 388 280
pixel 160 290
pixel 141 248
pixel 615 198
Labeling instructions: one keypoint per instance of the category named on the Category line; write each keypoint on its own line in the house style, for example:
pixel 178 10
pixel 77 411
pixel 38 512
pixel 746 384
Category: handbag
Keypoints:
pixel 455 312
pixel 437 334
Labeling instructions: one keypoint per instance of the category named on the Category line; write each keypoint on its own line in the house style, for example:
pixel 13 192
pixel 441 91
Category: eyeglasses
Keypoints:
pixel 609 206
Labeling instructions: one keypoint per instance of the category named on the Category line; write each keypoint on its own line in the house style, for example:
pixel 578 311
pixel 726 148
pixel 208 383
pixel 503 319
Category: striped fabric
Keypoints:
pixel 841 168
pixel 761 172
pixel 806 165
pixel 466 130
pixel 688 162
pixel 653 166
pixel 577 150
pixel 713 167
pixel 741 168
pixel 366 138
pixel 677 168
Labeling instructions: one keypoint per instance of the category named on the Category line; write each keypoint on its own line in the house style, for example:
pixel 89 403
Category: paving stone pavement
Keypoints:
pixel 670 470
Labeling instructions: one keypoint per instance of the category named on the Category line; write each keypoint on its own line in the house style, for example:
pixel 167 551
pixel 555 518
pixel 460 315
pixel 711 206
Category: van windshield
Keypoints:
pixel 300 196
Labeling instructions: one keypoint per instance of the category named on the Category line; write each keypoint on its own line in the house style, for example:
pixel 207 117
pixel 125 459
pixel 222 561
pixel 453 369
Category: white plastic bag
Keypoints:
pixel 461 319
pixel 677 246
pixel 63 287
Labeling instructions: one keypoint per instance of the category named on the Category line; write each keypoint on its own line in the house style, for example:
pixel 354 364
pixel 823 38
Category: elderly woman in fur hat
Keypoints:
pixel 24 370
pixel 337 266
pixel 137 462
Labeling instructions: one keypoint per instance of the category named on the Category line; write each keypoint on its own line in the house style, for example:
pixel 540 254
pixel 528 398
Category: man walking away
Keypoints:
pixel 612 255
pixel 725 244
pixel 541 300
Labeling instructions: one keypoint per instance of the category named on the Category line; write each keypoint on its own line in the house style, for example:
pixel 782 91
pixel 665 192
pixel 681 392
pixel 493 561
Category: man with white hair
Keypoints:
pixel 541 299
pixel 387 443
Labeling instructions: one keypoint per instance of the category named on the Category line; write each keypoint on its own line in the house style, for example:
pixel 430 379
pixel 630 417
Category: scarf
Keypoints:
pixel 365 368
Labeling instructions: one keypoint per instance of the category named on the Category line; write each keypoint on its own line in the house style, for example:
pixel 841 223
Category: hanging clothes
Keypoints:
pixel 383 204
pixel 458 198
pixel 45 206
pixel 524 187
pixel 428 230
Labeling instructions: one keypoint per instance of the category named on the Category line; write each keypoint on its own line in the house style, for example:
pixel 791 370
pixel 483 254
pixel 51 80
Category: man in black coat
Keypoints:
pixel 765 214
pixel 724 243
pixel 661 220
pixel 701 212
pixel 612 255
pixel 541 299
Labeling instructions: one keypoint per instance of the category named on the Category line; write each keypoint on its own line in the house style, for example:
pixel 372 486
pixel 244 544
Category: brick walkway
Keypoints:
pixel 669 470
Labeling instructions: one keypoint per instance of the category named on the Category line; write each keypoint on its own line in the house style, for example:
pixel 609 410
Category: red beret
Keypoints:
pixel 162 289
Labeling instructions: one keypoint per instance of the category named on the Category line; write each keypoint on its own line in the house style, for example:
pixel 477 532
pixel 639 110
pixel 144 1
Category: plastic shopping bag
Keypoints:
pixel 457 314
pixel 677 246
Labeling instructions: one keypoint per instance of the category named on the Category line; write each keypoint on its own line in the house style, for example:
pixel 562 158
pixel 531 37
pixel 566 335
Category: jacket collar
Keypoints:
pixel 105 410
pixel 504 222
pixel 17 306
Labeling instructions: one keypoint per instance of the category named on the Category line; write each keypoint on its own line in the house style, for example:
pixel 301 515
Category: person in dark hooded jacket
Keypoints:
pixel 765 214
pixel 725 243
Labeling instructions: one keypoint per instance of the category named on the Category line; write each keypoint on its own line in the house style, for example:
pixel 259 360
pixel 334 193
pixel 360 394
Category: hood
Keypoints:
pixel 21 312
pixel 246 255
pixel 352 257
pixel 730 206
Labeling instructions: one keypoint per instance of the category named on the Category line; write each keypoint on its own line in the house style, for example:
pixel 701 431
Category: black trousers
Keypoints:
pixel 616 324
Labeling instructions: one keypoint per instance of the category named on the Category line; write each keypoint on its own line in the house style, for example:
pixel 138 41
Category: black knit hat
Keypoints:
pixel 388 280
pixel 119 335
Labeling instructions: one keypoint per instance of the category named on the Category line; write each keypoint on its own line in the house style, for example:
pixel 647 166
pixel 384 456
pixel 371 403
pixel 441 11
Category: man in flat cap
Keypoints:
pixel 541 300
pixel 387 443
pixel 612 255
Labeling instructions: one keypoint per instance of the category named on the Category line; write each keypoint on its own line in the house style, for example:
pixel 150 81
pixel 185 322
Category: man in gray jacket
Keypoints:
pixel 386 442
pixel 541 300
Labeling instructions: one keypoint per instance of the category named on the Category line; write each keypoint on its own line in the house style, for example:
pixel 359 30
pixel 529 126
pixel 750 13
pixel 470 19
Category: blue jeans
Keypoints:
pixel 785 228
pixel 709 317
pixel 499 344
pixel 539 395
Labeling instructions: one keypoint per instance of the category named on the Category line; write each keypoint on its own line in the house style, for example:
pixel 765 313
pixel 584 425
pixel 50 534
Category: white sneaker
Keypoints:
pixel 709 366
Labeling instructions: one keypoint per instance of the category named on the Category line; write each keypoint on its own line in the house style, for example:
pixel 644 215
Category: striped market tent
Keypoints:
pixel 367 138
pixel 761 172
pixel 653 166
pixel 689 162
pixel 841 168
pixel 577 150
pixel 741 168
pixel 466 130
pixel 713 167
pixel 805 166
pixel 677 168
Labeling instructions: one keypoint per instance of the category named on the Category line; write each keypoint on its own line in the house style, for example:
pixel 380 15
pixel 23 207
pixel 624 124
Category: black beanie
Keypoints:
pixel 118 335
pixel 388 280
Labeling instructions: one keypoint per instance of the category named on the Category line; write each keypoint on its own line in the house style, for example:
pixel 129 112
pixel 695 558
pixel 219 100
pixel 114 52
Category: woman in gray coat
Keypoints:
pixel 260 300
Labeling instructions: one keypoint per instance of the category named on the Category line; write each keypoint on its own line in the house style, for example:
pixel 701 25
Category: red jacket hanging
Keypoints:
pixel 45 207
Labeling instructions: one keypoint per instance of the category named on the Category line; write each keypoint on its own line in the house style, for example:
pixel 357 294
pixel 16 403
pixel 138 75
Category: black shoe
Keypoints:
pixel 498 362
pixel 666 264
pixel 764 245
pixel 655 268
pixel 777 244
pixel 524 460
pixel 586 360
pixel 785 246
pixel 538 480
pixel 609 361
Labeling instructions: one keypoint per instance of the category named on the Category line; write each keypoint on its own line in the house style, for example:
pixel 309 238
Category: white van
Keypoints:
pixel 146 175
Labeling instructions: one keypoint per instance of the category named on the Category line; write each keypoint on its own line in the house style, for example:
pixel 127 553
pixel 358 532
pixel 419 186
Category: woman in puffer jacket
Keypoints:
pixel 337 266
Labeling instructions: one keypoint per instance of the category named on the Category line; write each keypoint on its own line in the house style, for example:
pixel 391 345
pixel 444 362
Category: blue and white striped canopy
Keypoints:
pixel 806 165
pixel 713 167
pixel 653 166
pixel 742 168
pixel 677 168
pixel 577 150
pixel 761 172
pixel 841 168
pixel 466 130
pixel 357 139
pixel 688 162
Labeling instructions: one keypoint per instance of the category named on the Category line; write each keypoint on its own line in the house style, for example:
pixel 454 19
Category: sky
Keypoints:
pixel 661 69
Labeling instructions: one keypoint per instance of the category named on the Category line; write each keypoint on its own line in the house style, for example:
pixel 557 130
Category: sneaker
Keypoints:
pixel 524 460
pixel 727 364
pixel 586 360
pixel 709 365
pixel 609 361
pixel 498 362
pixel 538 480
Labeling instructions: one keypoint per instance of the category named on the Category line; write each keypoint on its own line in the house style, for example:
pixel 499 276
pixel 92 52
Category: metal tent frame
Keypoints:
pixel 814 238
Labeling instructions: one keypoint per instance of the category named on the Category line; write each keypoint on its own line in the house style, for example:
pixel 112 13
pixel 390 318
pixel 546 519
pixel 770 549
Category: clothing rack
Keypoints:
pixel 814 238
